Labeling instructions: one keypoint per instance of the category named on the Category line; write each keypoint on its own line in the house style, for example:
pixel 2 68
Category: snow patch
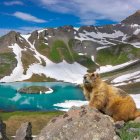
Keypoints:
pixel 127 77
pixel 134 25
pixel 136 32
pixel 136 45
pixel 65 106
pixel 136 98
pixel 81 54
pixel 102 36
pixel 68 104
pixel 93 59
pixel 109 68
pixel 39 31
pixel 50 91
pixel 21 39
pixel 18 71
pixel 62 71
pixel 76 28
pixel 26 37
pixel 100 48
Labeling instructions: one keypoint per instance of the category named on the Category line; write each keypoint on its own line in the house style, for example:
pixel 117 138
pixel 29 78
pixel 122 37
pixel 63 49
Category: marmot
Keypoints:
pixel 108 99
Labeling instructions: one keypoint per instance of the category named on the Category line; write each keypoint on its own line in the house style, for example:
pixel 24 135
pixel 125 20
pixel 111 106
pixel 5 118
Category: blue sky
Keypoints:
pixel 27 15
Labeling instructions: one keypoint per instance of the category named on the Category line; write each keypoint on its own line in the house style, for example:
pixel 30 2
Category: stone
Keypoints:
pixel 119 124
pixel 137 120
pixel 81 123
pixel 24 132
pixel 132 130
pixel 3 131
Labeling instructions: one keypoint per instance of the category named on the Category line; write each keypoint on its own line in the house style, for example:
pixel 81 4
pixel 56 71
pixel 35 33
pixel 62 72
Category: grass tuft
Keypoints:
pixel 130 131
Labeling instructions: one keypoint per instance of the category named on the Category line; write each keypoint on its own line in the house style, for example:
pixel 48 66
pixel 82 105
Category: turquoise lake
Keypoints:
pixel 11 100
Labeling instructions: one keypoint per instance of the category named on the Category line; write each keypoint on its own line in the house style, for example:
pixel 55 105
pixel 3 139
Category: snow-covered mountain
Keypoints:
pixel 66 53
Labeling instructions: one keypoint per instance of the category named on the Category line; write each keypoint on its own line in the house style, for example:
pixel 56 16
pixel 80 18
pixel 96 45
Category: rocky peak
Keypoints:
pixel 133 19
pixel 11 38
pixel 12 33
pixel 65 28
pixel 138 12
pixel 34 36
pixel 87 28
pixel 14 36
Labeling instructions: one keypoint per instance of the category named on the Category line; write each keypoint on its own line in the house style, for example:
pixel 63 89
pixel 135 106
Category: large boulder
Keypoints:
pixel 24 132
pixel 81 123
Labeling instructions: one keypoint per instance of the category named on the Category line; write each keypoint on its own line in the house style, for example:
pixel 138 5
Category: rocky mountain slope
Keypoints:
pixel 66 53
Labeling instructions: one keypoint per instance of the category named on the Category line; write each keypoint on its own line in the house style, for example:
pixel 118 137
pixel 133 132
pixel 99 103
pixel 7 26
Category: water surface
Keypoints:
pixel 11 100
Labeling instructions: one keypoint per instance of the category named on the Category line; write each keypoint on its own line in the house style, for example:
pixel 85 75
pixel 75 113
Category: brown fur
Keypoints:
pixel 108 99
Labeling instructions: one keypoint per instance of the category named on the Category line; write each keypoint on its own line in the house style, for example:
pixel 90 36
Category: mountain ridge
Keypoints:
pixel 66 53
pixel 133 19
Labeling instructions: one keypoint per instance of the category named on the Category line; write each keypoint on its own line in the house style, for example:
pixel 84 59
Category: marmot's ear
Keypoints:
pixel 97 75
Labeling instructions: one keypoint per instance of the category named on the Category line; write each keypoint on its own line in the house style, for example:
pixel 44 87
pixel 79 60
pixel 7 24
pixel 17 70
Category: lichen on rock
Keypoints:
pixel 81 123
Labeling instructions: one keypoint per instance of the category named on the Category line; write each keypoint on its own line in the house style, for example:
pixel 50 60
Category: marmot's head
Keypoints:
pixel 91 79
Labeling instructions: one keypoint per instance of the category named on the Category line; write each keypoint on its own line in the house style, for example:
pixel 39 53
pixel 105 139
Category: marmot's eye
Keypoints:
pixel 93 74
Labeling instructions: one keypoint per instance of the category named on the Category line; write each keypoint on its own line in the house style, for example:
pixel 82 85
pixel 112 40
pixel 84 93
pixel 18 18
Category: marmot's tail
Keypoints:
pixel 137 114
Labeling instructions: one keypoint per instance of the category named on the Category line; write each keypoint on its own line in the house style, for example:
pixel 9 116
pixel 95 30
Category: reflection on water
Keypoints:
pixel 11 100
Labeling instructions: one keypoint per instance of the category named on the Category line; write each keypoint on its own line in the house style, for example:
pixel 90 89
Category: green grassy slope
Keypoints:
pixel 131 131
pixel 7 63
pixel 60 51
pixel 117 54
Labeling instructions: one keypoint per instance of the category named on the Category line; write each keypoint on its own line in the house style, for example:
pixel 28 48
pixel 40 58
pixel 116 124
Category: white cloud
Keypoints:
pixel 11 3
pixel 87 22
pixel 23 30
pixel 94 9
pixel 28 17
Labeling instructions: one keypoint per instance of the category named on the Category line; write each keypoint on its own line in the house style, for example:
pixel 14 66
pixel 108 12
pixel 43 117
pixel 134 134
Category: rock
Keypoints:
pixel 119 124
pixel 24 132
pixel 3 131
pixel 116 138
pixel 133 19
pixel 35 90
pixel 132 130
pixel 136 138
pixel 81 123
pixel 137 120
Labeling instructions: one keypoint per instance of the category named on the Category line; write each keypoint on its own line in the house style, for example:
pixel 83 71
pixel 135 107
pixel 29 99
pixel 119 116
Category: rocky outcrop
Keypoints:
pixel 133 19
pixel 24 132
pixel 3 135
pixel 80 123
pixel 35 90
